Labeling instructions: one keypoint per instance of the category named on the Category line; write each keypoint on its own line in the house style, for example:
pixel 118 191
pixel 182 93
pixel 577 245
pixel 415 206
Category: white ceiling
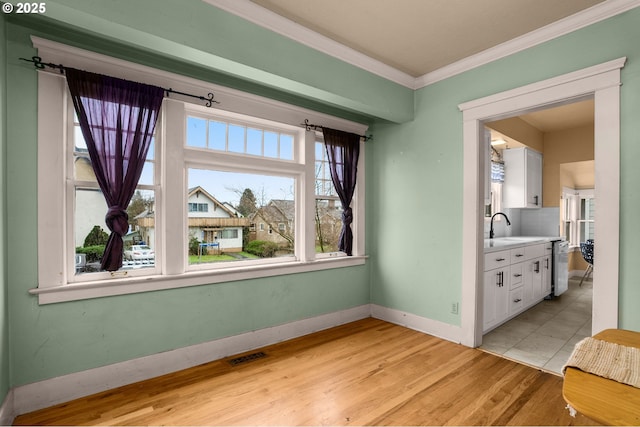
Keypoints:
pixel 421 36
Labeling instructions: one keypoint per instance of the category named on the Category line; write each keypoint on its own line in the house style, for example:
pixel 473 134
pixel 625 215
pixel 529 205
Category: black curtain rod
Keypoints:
pixel 37 62
pixel 310 126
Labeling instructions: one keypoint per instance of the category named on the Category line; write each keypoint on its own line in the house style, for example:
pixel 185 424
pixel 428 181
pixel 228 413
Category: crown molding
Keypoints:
pixel 265 18
pixel 579 20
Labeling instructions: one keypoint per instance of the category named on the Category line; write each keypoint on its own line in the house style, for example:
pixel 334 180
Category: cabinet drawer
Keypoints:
pixel 534 251
pixel 515 301
pixel 496 260
pixel 516 271
pixel 517 255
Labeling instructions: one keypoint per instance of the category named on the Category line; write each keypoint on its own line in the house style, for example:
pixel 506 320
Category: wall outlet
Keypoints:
pixel 454 308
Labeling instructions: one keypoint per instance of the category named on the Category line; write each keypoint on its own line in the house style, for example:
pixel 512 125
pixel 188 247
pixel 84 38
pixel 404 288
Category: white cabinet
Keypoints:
pixel 514 280
pixel 522 186
pixel 496 288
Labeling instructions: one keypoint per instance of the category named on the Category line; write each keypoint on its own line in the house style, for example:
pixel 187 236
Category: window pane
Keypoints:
pixel 236 139
pixel 270 144
pixel 91 233
pixel 254 142
pixel 196 132
pixel 152 146
pixel 324 184
pixel 328 210
pixel 223 232
pixel 217 135
pixel 586 230
pixel 328 218
pixel 286 147
pixel 146 178
pixel 78 139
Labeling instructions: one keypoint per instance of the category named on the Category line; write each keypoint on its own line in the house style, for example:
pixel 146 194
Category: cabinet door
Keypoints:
pixel 533 179
pixel 495 298
pixel 523 178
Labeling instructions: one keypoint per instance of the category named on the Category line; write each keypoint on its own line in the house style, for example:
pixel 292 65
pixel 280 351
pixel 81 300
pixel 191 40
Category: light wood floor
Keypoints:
pixel 364 373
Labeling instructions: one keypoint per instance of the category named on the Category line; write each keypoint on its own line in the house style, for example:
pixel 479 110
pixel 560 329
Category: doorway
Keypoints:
pixel 602 82
pixel 545 334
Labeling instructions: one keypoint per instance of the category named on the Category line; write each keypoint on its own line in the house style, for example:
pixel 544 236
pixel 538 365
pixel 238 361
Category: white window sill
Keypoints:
pixel 123 286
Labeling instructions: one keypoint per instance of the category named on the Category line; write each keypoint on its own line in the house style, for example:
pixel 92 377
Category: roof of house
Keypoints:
pixel 224 206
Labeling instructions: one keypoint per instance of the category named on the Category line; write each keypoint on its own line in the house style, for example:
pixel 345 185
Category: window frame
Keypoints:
pixel 54 265
pixel 570 213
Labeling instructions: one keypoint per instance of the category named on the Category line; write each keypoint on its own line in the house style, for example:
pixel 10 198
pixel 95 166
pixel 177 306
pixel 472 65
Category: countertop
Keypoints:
pixel 501 243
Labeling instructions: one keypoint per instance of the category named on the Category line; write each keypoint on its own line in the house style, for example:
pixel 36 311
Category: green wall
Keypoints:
pixel 416 263
pixel 4 326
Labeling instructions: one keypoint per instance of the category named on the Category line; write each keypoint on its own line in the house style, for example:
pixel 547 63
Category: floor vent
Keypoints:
pixel 247 358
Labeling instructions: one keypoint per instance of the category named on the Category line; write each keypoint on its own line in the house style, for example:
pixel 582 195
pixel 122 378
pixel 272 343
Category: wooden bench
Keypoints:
pixel 603 400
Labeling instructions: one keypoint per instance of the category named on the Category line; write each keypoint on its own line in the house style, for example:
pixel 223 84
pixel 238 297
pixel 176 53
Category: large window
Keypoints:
pixel 210 177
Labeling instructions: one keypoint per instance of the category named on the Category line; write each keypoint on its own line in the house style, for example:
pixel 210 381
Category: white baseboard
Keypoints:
pixel 34 396
pixel 417 323
pixel 7 412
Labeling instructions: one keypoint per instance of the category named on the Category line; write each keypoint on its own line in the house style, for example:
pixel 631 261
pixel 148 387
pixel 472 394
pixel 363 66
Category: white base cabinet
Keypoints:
pixel 514 280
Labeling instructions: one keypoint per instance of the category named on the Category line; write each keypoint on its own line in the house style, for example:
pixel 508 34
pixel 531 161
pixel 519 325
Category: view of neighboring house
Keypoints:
pixel 274 223
pixel 210 221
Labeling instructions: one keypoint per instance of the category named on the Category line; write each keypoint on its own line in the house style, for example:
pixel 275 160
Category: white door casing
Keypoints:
pixel 600 82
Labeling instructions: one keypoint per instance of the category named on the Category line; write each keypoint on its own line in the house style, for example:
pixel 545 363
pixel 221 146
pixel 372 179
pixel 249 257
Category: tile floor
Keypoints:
pixel 544 335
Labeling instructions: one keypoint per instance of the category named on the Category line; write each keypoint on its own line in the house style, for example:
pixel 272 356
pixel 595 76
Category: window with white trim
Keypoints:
pixel 185 208
pixel 578 215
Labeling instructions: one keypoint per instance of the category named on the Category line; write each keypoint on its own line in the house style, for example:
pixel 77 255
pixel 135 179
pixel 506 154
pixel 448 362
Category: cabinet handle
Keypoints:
pixel 517 300
pixel 500 279
pixel 546 260
pixel 535 200
pixel 519 255
pixel 536 267
pixel 500 259
pixel 517 275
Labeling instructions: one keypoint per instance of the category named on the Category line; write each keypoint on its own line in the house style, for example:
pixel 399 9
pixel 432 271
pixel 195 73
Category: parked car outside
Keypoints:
pixel 139 252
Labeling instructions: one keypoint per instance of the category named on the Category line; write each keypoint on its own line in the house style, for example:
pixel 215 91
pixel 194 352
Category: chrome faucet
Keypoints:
pixel 494 215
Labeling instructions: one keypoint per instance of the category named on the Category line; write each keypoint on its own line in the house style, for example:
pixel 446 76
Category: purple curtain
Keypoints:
pixel 117 118
pixel 343 150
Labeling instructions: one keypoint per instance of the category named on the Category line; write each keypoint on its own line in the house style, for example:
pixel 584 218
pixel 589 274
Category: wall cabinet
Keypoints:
pixel 522 179
pixel 514 280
